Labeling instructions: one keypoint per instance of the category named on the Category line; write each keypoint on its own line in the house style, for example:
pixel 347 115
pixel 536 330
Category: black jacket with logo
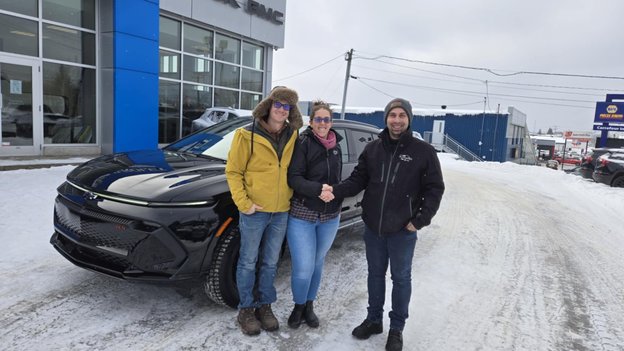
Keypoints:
pixel 403 182
pixel 311 166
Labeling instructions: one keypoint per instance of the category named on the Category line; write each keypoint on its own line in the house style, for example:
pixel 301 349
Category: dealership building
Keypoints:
pixel 84 77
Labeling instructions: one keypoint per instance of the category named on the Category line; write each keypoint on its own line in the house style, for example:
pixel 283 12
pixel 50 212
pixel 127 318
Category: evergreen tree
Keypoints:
pixel 549 131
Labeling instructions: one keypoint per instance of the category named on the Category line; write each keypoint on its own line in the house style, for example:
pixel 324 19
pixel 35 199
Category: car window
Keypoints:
pixel 360 139
pixel 212 141
pixel 344 147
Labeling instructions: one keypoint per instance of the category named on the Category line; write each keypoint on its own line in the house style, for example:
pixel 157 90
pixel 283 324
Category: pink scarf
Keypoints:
pixel 329 142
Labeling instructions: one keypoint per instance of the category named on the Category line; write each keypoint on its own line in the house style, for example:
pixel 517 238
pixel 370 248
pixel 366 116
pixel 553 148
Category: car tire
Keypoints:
pixel 618 182
pixel 220 284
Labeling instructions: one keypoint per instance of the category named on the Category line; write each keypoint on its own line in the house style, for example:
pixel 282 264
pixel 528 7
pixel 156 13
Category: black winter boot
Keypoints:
pixel 366 329
pixel 310 317
pixel 296 317
pixel 395 340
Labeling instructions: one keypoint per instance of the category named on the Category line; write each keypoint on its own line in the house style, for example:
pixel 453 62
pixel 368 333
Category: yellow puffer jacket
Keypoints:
pixel 263 180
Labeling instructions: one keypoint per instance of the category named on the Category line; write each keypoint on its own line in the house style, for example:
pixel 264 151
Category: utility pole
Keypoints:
pixel 482 124
pixel 348 57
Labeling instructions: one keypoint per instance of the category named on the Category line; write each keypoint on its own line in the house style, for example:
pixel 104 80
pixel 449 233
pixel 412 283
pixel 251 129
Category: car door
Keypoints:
pixel 353 143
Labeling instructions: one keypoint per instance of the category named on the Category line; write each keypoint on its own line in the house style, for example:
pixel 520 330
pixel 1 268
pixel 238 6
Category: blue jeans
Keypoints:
pixel 262 234
pixel 398 250
pixel 308 243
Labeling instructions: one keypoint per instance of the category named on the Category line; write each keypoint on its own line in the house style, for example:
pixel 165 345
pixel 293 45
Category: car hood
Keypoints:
pixel 153 176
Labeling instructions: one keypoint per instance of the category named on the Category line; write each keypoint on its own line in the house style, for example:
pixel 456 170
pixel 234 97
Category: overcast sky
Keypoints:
pixel 552 36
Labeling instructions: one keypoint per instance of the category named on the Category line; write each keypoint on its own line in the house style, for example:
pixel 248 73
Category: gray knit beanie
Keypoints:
pixel 402 103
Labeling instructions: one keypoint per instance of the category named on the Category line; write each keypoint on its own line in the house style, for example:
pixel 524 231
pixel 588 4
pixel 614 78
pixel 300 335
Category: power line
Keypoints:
pixel 415 103
pixel 492 71
pixel 473 93
pixel 308 70
pixel 491 82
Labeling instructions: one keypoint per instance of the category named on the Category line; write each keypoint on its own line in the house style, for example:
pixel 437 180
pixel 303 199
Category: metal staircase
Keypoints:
pixel 453 146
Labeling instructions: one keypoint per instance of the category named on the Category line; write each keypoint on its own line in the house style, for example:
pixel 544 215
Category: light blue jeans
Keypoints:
pixel 308 243
pixel 262 235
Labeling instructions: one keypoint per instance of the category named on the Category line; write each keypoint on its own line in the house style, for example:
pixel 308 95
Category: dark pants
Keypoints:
pixel 398 250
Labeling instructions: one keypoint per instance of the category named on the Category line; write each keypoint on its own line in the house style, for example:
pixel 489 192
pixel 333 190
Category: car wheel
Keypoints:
pixel 618 182
pixel 220 285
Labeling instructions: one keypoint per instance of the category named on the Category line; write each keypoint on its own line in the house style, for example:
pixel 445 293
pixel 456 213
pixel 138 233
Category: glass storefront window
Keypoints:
pixel 79 13
pixel 253 56
pixel 249 101
pixel 16 86
pixel 169 33
pixel 67 44
pixel 25 7
pixel 195 100
pixel 197 70
pixel 227 75
pixel 225 98
pixel 69 104
pixel 252 80
pixel 169 65
pixel 168 111
pixel 227 49
pixel 197 41
pixel 18 35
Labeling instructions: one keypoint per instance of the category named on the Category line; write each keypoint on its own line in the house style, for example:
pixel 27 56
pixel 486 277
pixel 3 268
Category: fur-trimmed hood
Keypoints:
pixel 280 94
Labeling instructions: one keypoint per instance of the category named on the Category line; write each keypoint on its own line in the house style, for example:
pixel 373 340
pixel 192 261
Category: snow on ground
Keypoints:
pixel 518 258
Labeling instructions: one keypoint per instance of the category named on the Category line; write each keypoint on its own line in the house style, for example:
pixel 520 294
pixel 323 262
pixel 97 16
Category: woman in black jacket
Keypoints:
pixel 312 222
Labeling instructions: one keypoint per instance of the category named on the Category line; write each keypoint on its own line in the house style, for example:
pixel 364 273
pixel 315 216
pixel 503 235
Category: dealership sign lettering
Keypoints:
pixel 609 112
pixel 257 9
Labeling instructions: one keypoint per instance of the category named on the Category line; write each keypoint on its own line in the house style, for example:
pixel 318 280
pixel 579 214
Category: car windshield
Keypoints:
pixel 213 141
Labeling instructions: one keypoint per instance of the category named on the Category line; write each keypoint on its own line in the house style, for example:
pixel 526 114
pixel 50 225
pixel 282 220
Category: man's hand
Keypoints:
pixel 252 209
pixel 410 227
pixel 327 187
pixel 326 195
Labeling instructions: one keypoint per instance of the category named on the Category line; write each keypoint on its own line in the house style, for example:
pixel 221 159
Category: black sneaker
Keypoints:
pixel 366 329
pixel 395 340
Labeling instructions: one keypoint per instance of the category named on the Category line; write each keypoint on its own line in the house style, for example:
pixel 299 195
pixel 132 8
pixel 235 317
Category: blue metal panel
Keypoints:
pixel 136 111
pixel 135 53
pixel 138 18
pixel 135 65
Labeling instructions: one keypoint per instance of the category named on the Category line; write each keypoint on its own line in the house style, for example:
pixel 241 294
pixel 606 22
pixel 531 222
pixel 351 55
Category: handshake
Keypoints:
pixel 327 193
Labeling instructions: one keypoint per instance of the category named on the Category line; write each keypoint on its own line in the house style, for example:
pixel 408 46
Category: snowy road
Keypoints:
pixel 518 258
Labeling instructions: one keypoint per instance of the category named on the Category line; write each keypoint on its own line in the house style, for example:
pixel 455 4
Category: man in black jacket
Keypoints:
pixel 403 186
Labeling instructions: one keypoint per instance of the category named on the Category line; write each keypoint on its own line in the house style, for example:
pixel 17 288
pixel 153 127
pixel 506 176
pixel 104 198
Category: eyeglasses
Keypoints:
pixel 322 119
pixel 278 105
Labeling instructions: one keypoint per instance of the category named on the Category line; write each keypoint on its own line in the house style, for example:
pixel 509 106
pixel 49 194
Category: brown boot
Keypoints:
pixel 248 322
pixel 267 318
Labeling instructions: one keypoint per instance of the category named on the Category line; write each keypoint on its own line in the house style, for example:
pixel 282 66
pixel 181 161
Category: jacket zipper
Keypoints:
pixel 396 170
pixel 383 198
pixel 328 173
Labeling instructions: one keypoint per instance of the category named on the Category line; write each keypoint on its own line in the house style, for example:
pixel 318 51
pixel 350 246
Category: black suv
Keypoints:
pixel 610 168
pixel 167 215
pixel 588 164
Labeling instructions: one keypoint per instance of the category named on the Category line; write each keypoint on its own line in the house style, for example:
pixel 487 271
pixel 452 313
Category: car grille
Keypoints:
pixel 103 231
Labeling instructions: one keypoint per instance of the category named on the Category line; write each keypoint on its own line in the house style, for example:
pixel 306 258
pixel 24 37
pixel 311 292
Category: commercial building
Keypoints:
pixel 84 77
pixel 485 136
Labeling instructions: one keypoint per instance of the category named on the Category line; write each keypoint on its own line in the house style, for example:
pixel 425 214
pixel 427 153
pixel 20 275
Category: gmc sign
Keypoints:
pixel 258 9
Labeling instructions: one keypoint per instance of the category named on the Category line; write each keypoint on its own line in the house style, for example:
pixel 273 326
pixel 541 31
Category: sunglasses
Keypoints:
pixel 322 119
pixel 278 105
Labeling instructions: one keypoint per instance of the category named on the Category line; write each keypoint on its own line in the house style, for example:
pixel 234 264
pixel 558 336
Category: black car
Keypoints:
pixel 167 215
pixel 588 164
pixel 610 169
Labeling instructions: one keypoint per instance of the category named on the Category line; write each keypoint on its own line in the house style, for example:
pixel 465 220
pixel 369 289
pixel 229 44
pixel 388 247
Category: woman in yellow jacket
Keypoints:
pixel 256 173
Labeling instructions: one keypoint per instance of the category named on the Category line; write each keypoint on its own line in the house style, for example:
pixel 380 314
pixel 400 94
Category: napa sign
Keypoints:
pixel 257 9
pixel 609 112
